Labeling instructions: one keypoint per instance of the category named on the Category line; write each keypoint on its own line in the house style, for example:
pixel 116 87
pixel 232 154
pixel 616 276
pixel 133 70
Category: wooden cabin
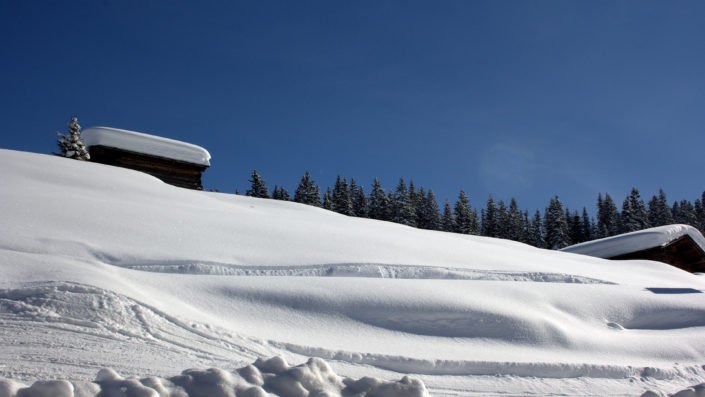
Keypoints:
pixel 681 246
pixel 176 163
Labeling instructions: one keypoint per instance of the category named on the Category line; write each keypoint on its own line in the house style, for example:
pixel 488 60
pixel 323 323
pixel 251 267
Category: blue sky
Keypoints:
pixel 509 98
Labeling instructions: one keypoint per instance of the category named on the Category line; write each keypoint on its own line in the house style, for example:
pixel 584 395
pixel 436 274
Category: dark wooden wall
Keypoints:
pixel 682 253
pixel 173 172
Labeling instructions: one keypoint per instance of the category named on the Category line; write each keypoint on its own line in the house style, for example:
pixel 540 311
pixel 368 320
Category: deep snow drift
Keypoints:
pixel 106 267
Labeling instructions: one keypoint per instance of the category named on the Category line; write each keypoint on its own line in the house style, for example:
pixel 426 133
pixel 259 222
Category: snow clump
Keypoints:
pixel 264 378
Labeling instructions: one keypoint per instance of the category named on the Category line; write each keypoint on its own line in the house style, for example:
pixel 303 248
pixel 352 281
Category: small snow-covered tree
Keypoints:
pixel 70 144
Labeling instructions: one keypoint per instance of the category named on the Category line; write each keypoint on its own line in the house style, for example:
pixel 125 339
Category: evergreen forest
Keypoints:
pixel 557 227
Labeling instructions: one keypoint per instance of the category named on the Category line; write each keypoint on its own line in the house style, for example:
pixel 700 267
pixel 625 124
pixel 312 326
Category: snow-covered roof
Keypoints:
pixel 610 247
pixel 145 143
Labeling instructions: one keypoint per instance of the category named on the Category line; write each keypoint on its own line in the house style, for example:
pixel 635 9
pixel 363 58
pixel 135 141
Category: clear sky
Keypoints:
pixel 511 98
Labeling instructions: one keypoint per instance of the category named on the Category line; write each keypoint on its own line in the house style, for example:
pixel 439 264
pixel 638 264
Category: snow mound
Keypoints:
pixel 264 378
pixel 145 143
pixel 693 391
pixel 660 236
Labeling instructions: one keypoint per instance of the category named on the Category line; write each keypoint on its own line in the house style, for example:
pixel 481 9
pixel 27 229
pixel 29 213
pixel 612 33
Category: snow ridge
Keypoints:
pixel 368 270
pixel 272 377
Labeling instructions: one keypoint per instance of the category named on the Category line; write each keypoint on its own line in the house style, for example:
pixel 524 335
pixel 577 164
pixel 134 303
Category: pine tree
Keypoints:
pixel 587 226
pixel 515 225
pixel 308 192
pixel 502 220
pixel 402 209
pixel 463 218
pixel 430 214
pixel 71 145
pixel 607 216
pixel 659 211
pixel 342 203
pixel 489 219
pixel 280 193
pixel 536 232
pixel 258 188
pixel 634 216
pixel 684 213
pixel 327 200
pixel 447 221
pixel 575 227
pixel 419 203
pixel 555 225
pixel 525 227
pixel 359 201
pixel 378 205
pixel 700 213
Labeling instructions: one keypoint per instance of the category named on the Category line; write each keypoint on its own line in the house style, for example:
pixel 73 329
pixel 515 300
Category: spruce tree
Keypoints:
pixel 308 191
pixel 419 203
pixel 327 200
pixel 607 216
pixel 402 207
pixel 447 221
pixel 555 225
pixel 378 205
pixel 575 227
pixel 659 211
pixel 342 203
pixel 463 219
pixel 536 232
pixel 515 225
pixel 502 220
pixel 431 214
pixel 700 214
pixel 684 213
pixel 587 226
pixel 71 145
pixel 359 201
pixel 634 216
pixel 489 219
pixel 258 188
pixel 280 193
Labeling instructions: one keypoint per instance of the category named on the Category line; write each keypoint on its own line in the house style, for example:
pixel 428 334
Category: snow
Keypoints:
pixel 636 241
pixel 104 267
pixel 145 143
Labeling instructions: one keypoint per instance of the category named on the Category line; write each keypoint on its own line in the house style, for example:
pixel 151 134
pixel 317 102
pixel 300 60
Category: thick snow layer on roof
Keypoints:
pixel 105 267
pixel 145 143
pixel 636 241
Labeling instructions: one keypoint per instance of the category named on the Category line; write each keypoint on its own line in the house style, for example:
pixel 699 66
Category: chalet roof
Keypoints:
pixel 147 144
pixel 661 236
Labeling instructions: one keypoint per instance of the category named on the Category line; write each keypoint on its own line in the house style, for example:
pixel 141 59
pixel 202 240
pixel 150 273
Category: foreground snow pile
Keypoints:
pixel 110 268
pixel 272 377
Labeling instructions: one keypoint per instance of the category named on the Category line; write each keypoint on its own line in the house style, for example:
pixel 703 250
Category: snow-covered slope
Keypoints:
pixel 110 267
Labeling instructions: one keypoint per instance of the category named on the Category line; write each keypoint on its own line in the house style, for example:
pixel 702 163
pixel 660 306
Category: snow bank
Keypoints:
pixel 609 247
pixel 693 391
pixel 265 378
pixel 145 143
pixel 107 267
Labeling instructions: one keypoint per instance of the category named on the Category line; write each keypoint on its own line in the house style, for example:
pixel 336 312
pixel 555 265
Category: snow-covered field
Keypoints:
pixel 108 268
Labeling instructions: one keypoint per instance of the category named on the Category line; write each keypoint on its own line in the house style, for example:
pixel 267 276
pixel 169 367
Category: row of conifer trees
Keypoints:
pixel 556 228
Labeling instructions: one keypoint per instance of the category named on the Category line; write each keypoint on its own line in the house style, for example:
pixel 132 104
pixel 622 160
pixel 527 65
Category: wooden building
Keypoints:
pixel 176 163
pixel 681 246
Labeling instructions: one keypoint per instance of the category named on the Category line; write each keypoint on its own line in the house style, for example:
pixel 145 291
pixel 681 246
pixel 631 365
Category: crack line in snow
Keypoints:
pixel 363 270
